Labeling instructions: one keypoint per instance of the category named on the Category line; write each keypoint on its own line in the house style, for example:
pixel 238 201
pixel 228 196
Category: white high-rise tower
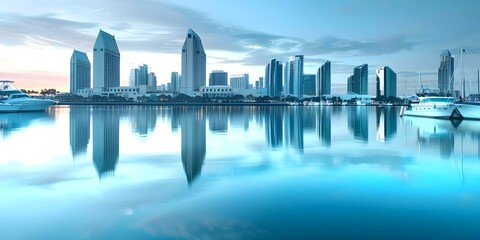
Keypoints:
pixel 194 64
pixel 106 62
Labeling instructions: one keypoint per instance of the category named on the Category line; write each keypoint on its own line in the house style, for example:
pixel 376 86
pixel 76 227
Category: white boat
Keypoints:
pixel 433 107
pixel 9 94
pixel 469 110
pixel 6 108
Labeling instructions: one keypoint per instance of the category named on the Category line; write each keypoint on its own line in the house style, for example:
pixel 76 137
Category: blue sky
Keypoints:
pixel 37 39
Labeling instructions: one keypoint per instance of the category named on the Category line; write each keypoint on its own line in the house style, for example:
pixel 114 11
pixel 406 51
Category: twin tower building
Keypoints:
pixel 106 68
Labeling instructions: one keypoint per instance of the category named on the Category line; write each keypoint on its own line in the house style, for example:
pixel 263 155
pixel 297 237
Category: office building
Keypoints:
pixel 239 81
pixel 359 82
pixel 386 83
pixel 273 78
pixel 194 64
pixel 293 82
pixel 106 63
pixel 308 85
pixel 445 73
pixel 152 82
pixel 139 76
pixel 218 78
pixel 323 83
pixel 79 71
pixel 174 81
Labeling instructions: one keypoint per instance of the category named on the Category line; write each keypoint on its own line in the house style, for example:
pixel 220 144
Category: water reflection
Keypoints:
pixel 294 128
pixel 193 127
pixel 105 139
pixel 358 122
pixel 79 129
pixel 386 123
pixel 324 126
pixel 143 119
pixel 274 126
pixel 10 122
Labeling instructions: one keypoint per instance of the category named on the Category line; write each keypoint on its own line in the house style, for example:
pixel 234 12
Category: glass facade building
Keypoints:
pixel 194 64
pixel 79 71
pixel 106 62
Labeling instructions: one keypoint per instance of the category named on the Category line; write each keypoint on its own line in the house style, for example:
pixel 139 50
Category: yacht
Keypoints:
pixel 9 94
pixel 469 110
pixel 6 108
pixel 433 107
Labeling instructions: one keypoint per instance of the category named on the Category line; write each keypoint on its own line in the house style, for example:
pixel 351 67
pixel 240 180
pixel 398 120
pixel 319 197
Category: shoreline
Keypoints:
pixel 212 104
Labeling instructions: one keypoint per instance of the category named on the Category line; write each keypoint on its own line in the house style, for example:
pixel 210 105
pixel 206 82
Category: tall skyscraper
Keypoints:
pixel 152 82
pixel 308 84
pixel 360 80
pixel 239 81
pixel 218 77
pixel 194 64
pixel 79 71
pixel 294 77
pixel 445 73
pixel 273 78
pixel 174 80
pixel 139 76
pixel 323 83
pixel 350 84
pixel 386 82
pixel 106 62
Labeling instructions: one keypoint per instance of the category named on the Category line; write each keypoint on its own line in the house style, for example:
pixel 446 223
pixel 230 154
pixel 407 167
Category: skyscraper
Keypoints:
pixel 152 82
pixel 350 84
pixel 273 78
pixel 386 82
pixel 174 80
pixel 139 76
pixel 294 77
pixel 79 71
pixel 445 73
pixel 218 77
pixel 106 62
pixel 239 81
pixel 360 80
pixel 194 64
pixel 323 83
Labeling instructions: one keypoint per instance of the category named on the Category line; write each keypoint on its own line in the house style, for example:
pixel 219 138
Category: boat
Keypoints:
pixel 8 108
pixel 468 110
pixel 432 107
pixel 9 94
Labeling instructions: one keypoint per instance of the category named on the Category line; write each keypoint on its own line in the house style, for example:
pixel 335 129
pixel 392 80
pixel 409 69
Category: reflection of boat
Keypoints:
pixel 433 107
pixel 13 121
pixel 11 95
pixel 6 108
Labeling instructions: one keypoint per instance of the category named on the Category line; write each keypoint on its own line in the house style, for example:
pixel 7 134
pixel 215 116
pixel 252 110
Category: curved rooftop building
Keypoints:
pixel 106 62
pixel 194 64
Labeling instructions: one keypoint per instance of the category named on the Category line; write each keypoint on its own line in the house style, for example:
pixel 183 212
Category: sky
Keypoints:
pixel 37 38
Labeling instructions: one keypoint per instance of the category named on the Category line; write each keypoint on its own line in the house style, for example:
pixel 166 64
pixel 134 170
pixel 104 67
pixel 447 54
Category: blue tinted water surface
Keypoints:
pixel 141 172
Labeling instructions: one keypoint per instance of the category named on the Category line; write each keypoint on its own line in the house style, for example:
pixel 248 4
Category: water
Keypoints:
pixel 237 173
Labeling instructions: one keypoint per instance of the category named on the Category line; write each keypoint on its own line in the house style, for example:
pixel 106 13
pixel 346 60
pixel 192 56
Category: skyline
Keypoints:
pixel 407 38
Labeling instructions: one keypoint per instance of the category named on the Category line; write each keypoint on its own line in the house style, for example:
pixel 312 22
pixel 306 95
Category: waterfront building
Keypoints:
pixel 218 77
pixel 259 83
pixel 139 76
pixel 174 81
pixel 359 82
pixel 134 75
pixel 106 62
pixel 293 78
pixel 79 71
pixel 239 81
pixel 152 82
pixel 273 78
pixel 386 83
pixel 194 64
pixel 445 73
pixel 308 85
pixel 216 91
pixel 323 83
pixel 350 84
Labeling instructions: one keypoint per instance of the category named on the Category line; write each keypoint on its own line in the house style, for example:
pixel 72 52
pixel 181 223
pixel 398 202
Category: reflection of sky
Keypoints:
pixel 247 187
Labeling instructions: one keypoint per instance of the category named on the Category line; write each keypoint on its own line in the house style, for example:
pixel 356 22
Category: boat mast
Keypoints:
pixel 461 71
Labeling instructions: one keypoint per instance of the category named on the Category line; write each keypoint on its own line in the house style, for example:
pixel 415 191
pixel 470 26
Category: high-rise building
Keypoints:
pixel 273 78
pixel 194 64
pixel 239 81
pixel 360 80
pixel 152 82
pixel 259 83
pixel 293 84
pixel 218 77
pixel 350 84
pixel 174 81
pixel 79 71
pixel 323 83
pixel 139 76
pixel 386 82
pixel 445 73
pixel 106 62
pixel 309 84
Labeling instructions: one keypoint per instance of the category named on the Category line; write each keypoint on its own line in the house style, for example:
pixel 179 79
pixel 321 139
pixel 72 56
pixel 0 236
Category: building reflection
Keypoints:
pixel 386 123
pixel 240 117
pixel 105 139
pixel 358 122
pixel 143 119
pixel 79 129
pixel 273 126
pixel 217 119
pixel 193 127
pixel 324 126
pixel 294 126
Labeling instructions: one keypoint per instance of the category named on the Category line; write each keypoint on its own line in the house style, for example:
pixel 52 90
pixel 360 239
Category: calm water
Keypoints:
pixel 237 173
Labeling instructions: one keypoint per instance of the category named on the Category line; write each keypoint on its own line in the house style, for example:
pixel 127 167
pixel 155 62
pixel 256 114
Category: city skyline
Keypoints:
pixel 150 32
